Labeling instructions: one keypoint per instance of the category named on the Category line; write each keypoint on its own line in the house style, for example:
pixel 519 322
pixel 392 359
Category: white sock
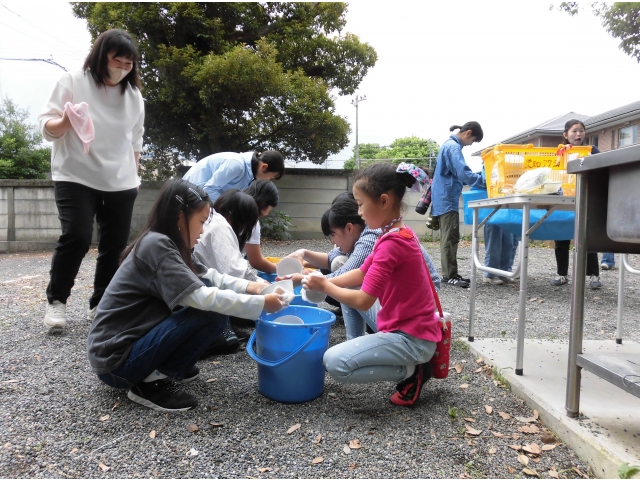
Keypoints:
pixel 410 370
pixel 155 375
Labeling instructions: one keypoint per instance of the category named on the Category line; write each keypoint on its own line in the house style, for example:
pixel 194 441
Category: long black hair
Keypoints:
pixel 344 209
pixel 476 129
pixel 119 42
pixel 175 196
pixel 241 212
pixel 272 158
pixel 381 178
pixel 264 192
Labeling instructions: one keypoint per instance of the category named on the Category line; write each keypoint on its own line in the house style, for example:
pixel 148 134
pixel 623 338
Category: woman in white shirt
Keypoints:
pixel 103 182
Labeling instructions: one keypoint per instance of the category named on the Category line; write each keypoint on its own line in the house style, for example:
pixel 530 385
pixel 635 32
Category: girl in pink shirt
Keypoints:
pixel 395 274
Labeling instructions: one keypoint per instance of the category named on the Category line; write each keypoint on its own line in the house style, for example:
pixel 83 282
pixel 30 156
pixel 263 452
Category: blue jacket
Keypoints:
pixel 220 172
pixel 450 175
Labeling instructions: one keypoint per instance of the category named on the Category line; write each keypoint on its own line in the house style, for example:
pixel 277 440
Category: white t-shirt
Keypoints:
pixel 218 248
pixel 254 239
pixel 118 120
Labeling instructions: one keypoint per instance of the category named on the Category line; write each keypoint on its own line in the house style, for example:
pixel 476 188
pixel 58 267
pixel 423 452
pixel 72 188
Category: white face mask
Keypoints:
pixel 117 74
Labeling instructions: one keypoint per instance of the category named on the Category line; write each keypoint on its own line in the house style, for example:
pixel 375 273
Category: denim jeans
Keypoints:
pixel 354 320
pixel 608 259
pixel 77 205
pixel 500 248
pixel 376 358
pixel 172 347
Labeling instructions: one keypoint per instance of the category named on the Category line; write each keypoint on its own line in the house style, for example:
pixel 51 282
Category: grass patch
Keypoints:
pixel 460 346
pixel 39 446
pixel 472 470
pixel 498 376
pixel 454 413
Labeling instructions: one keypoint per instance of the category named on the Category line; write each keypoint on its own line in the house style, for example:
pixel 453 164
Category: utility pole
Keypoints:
pixel 355 102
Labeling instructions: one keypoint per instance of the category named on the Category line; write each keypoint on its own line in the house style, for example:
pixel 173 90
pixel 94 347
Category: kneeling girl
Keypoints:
pixel 157 316
pixel 407 322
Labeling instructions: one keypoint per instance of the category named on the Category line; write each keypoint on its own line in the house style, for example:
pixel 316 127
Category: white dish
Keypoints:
pixel 286 285
pixel 288 266
pixel 315 297
pixel 551 187
pixel 289 320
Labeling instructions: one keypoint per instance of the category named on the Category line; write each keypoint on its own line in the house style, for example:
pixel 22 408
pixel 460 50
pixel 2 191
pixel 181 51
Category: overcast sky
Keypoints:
pixel 507 65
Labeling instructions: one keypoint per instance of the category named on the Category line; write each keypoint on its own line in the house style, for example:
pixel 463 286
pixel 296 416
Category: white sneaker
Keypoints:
pixel 493 281
pixel 55 315
pixel 91 313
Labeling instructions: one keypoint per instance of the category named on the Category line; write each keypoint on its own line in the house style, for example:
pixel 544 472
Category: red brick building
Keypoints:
pixel 609 130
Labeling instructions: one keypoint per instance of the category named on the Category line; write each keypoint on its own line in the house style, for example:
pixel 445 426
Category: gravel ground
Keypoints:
pixel 58 420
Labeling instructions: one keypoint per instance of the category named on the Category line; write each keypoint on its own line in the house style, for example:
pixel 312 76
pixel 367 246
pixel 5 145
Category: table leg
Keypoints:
pixel 620 298
pixel 572 400
pixel 474 249
pixel 522 304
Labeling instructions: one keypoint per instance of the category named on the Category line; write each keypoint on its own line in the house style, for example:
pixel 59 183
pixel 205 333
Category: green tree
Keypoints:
pixel 620 19
pixel 221 76
pixel 21 152
pixel 418 150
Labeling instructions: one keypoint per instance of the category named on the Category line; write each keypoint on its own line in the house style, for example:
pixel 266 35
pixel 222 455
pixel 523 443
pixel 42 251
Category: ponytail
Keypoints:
pixel 272 158
pixel 476 129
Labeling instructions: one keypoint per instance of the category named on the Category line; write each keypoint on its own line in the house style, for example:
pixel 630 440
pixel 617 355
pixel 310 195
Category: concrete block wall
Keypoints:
pixel 306 197
pixel 29 216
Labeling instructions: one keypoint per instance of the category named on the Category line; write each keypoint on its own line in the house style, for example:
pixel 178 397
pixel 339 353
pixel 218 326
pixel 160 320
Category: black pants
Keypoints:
pixel 562 260
pixel 77 205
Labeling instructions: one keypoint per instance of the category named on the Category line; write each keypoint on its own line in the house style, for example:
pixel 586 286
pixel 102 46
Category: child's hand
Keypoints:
pixel 315 283
pixel 296 277
pixel 298 255
pixel 254 288
pixel 272 303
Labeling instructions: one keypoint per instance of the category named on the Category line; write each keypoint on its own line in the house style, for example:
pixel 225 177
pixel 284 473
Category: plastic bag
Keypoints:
pixel 531 180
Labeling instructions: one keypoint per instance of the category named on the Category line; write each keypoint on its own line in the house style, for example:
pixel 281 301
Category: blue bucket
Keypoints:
pixel 298 300
pixel 269 277
pixel 289 357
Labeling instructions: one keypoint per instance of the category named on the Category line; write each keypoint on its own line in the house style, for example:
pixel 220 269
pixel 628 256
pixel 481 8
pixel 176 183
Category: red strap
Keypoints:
pixel 433 287
pixel 435 293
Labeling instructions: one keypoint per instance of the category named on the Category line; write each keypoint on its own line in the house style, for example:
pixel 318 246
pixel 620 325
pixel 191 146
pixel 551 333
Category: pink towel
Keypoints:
pixel 81 122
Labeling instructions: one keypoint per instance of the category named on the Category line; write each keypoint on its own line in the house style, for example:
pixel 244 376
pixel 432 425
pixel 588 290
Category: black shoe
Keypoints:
pixel 408 390
pixel 225 343
pixel 162 395
pixel 190 376
pixel 457 281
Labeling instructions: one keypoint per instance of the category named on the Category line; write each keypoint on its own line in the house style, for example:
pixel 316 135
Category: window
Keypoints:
pixel 628 136
pixel 593 140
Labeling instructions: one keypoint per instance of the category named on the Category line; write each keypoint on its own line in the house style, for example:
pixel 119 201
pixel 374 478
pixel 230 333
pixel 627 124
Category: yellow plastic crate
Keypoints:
pixel 504 164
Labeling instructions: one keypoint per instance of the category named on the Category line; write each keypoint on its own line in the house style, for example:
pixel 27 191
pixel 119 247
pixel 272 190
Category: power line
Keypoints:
pixel 50 36
pixel 45 60
pixel 29 36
